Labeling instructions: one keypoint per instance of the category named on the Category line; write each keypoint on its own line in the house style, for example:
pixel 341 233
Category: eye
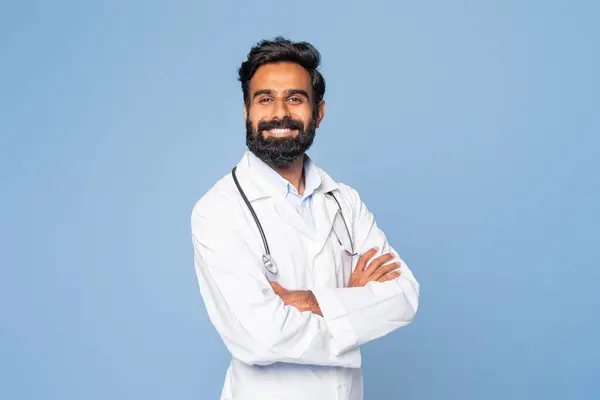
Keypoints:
pixel 265 100
pixel 295 99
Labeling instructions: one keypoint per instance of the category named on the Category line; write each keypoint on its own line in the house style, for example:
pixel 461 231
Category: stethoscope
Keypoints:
pixel 266 258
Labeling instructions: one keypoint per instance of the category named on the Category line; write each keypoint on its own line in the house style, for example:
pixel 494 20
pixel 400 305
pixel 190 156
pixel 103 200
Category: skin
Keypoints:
pixel 377 270
pixel 285 90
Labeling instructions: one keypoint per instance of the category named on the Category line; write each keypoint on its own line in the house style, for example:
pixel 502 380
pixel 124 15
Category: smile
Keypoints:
pixel 281 132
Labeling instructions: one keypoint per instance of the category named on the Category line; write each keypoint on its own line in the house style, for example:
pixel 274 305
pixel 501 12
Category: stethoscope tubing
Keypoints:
pixel 267 256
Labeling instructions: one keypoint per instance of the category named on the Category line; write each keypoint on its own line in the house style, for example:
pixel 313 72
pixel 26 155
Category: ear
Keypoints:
pixel 245 112
pixel 321 112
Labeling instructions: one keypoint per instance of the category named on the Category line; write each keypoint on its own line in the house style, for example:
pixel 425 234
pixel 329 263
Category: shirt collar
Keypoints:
pixel 266 182
pixel 312 178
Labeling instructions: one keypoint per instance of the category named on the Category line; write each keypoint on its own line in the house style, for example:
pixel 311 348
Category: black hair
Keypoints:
pixel 283 50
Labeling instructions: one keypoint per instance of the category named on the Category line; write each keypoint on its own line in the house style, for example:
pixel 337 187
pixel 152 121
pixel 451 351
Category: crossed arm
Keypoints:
pixel 254 319
pixel 376 271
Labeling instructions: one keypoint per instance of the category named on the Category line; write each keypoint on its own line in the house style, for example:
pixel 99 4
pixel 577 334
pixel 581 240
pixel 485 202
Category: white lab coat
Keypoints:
pixel 277 351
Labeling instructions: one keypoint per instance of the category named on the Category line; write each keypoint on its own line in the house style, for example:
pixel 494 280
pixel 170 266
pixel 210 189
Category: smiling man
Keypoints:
pixel 294 272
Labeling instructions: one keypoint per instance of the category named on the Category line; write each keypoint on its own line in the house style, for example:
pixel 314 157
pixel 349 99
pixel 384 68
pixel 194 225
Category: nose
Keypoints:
pixel 281 110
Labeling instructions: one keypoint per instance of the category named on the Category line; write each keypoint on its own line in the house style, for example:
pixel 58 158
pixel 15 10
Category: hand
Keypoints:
pixel 303 300
pixel 376 271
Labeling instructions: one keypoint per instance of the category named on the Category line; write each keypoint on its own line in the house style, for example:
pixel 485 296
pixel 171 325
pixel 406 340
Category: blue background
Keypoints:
pixel 470 128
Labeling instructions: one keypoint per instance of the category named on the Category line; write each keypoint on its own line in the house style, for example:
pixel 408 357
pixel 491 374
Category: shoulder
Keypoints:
pixel 330 184
pixel 353 208
pixel 349 193
pixel 219 203
pixel 346 194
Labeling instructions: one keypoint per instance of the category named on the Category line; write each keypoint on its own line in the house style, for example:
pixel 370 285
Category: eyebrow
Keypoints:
pixel 289 92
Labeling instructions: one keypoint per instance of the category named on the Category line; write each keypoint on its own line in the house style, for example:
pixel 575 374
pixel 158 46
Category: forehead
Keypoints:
pixel 280 77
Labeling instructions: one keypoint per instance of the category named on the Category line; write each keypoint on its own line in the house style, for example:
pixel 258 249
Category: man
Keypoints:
pixel 293 270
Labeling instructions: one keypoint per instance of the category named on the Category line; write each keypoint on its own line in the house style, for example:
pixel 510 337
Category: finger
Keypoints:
pixel 364 259
pixel 383 270
pixel 287 300
pixel 277 288
pixel 378 262
pixel 389 276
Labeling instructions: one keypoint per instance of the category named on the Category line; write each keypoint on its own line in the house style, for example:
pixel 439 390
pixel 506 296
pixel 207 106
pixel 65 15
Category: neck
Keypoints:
pixel 293 173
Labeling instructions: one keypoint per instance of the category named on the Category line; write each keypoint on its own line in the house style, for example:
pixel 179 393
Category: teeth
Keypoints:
pixel 279 131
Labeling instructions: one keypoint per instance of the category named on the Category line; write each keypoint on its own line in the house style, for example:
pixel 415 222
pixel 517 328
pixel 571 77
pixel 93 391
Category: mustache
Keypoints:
pixel 286 123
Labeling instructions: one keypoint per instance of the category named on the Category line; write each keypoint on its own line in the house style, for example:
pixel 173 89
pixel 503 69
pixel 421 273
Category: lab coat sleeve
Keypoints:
pixel 360 314
pixel 255 325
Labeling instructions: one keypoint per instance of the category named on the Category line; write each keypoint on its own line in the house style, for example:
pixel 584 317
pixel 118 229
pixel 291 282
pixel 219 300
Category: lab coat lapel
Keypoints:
pixel 291 217
pixel 324 210
pixel 257 188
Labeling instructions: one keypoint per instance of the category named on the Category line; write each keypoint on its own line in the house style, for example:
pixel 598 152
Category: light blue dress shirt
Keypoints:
pixel 302 203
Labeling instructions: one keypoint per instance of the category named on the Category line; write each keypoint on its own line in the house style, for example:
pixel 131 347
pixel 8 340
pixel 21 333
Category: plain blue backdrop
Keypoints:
pixel 470 128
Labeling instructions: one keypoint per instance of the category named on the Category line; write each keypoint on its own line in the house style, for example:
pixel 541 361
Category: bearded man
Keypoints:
pixel 294 272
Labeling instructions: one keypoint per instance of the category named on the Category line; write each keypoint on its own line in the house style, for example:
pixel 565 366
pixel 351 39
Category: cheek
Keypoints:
pixel 255 118
pixel 304 115
pixel 307 119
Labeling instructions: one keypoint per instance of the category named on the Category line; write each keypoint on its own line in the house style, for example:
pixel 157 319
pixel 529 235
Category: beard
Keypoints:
pixel 275 151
